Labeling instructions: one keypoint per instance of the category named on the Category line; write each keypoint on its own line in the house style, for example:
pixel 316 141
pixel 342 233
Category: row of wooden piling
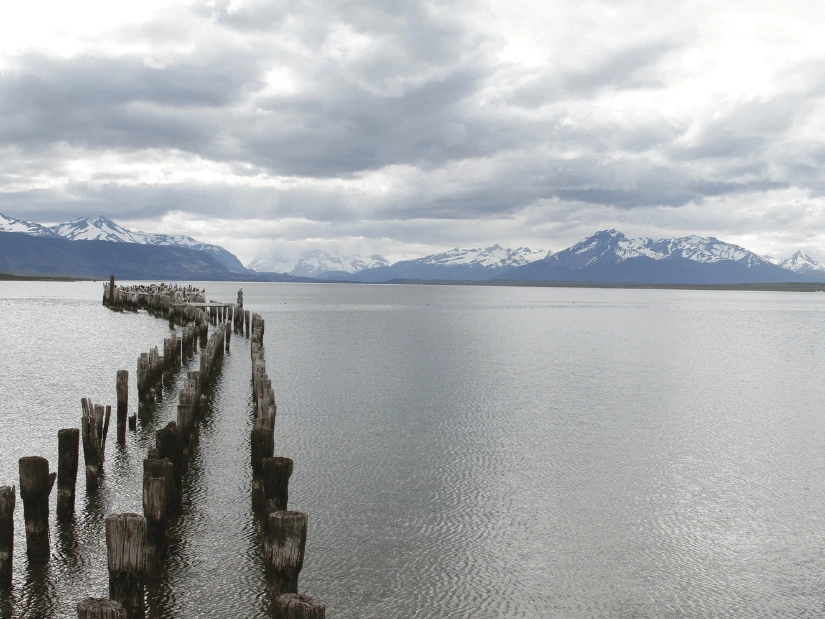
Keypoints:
pixel 286 531
pixel 135 544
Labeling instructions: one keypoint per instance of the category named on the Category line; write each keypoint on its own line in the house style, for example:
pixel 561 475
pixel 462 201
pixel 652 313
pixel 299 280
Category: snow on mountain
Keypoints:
pixel 315 263
pixel 801 262
pixel 609 256
pixel 10 224
pixel 489 257
pixel 104 229
pixel 271 261
pixel 97 229
pixel 455 264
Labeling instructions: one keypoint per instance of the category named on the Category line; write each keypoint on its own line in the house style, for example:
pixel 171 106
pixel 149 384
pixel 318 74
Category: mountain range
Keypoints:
pixel 95 246
pixel 104 229
pixel 609 256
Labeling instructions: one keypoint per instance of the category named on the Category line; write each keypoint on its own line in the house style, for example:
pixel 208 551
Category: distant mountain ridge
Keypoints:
pixel 456 264
pixel 315 263
pixel 609 256
pixel 104 229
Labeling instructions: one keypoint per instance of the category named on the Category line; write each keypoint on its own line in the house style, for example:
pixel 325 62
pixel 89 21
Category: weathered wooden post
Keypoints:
pixel 171 445
pixel 94 427
pixel 263 446
pixel 35 487
pixel 111 290
pixel 125 543
pixel 68 442
pixel 298 606
pixel 122 404
pixel 7 502
pixel 247 321
pixel 158 496
pixel 286 539
pixel 100 608
pixel 276 474
pixel 228 330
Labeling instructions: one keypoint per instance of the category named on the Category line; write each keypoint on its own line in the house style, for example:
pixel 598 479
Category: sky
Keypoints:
pixel 406 128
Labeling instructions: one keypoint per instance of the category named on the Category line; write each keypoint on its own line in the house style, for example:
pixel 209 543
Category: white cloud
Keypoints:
pixel 401 128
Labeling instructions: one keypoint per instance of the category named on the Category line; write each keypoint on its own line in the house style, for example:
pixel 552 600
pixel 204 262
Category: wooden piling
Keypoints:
pixel 298 606
pixel 158 502
pixel 125 544
pixel 263 446
pixel 111 290
pixel 247 321
pixel 94 427
pixel 171 445
pixel 68 442
pixel 284 546
pixel 7 503
pixel 100 608
pixel 122 404
pixel 35 487
pixel 275 476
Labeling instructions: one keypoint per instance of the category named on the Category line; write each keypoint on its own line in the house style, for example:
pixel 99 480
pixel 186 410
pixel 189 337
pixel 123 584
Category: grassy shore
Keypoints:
pixel 785 287
pixel 7 277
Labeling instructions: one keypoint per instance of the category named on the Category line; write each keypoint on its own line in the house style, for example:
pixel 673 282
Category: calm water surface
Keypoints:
pixel 462 452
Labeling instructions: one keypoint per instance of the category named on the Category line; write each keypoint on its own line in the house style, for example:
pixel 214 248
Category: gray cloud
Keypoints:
pixel 366 117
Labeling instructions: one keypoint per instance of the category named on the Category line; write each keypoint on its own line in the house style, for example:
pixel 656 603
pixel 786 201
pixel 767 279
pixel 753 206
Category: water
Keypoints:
pixel 461 451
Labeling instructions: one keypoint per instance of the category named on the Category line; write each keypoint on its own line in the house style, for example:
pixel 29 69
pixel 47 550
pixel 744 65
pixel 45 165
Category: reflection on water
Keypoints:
pixel 461 451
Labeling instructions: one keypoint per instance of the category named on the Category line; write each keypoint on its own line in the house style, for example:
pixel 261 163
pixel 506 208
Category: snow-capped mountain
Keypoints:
pixel 97 229
pixel 318 263
pixel 10 224
pixel 314 263
pixel 609 256
pixel 800 262
pixel 456 264
pixel 104 229
pixel 271 261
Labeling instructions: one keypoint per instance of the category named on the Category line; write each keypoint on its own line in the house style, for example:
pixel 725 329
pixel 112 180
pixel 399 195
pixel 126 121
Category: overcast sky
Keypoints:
pixel 406 127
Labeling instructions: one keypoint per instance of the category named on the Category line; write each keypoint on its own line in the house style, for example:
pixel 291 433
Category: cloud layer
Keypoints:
pixel 401 128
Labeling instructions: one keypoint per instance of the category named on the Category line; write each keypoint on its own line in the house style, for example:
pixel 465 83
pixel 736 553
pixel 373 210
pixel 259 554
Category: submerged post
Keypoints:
pixel 284 546
pixel 68 442
pixel 122 404
pixel 125 543
pixel 35 487
pixel 100 608
pixel 7 502
pixel 298 606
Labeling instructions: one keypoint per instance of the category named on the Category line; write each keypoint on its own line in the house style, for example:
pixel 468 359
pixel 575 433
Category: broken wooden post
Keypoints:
pixel 298 606
pixel 125 543
pixel 158 501
pixel 171 445
pixel 111 290
pixel 247 321
pixel 68 442
pixel 35 487
pixel 133 421
pixel 94 427
pixel 263 446
pixel 275 476
pixel 100 608
pixel 286 539
pixel 228 330
pixel 122 404
pixel 7 502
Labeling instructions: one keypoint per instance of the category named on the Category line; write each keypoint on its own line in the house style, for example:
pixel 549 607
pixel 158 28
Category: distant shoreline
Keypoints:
pixel 6 277
pixel 778 287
